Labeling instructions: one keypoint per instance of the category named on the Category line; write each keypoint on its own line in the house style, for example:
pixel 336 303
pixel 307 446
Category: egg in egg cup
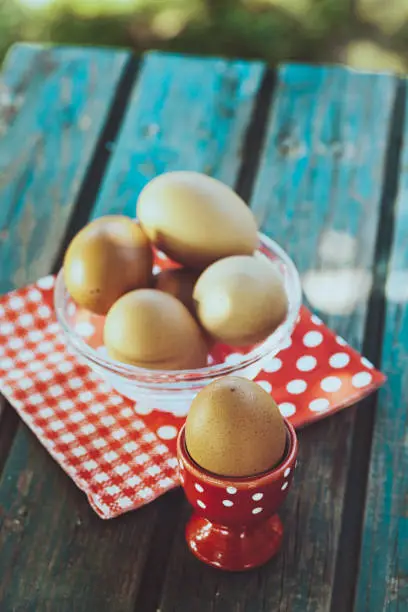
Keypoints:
pixel 235 525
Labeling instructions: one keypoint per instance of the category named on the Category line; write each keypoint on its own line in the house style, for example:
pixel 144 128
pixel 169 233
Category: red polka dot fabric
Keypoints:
pixel 123 455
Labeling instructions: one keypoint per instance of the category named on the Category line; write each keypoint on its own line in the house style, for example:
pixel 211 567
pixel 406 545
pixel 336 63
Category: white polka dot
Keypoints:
pixel 6 328
pixel 45 347
pixel 257 496
pixel 286 472
pixel 296 386
pixel 15 343
pixel 15 374
pixel 306 363
pixel 316 320
pixel 201 503
pixel 231 490
pixel 284 486
pixel 265 385
pixel 27 355
pixel 312 338
pixel 319 405
pixel 16 302
pixel 44 312
pixel 142 408
pixel 84 329
pixel 287 409
pixel 26 320
pixel 339 360
pixel 35 335
pixel 367 363
pixel 273 365
pixel 341 341
pixel 34 366
pixel 227 503
pixel 34 295
pixel 257 510
pixel 233 358
pixel 167 432
pixel 330 384
pixel 156 269
pixel 36 399
pixel 362 379
pixel 46 375
pixel 161 255
pixel 198 487
pixel 46 283
pixel 55 357
pixel 25 383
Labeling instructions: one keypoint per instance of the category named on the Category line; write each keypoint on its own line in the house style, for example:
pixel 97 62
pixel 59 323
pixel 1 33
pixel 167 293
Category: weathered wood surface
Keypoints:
pixel 318 174
pixel 185 113
pixel 75 536
pixel 322 138
pixel 53 106
pixel 383 576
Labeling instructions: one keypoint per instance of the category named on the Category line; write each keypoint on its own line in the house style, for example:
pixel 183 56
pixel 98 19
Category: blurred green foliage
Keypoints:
pixel 364 33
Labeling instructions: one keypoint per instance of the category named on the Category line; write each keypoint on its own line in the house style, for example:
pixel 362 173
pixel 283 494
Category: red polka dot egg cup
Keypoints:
pixel 235 525
pixel 173 391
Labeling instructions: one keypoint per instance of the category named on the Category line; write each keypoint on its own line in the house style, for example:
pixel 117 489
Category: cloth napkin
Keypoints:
pixel 121 454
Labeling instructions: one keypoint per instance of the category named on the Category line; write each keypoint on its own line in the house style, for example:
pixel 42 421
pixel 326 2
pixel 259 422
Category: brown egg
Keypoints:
pixel 196 219
pixel 152 329
pixel 234 428
pixel 240 300
pixel 179 282
pixel 106 259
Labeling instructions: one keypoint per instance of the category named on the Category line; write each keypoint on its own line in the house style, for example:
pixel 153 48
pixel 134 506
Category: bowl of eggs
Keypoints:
pixel 186 292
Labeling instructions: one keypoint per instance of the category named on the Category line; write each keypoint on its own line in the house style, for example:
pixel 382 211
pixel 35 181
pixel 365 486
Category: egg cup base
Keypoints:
pixel 234 549
pixel 235 525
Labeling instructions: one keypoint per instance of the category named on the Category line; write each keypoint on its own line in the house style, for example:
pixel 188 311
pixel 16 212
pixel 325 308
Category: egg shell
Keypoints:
pixel 178 282
pixel 240 300
pixel 107 258
pixel 234 428
pixel 196 219
pixel 152 329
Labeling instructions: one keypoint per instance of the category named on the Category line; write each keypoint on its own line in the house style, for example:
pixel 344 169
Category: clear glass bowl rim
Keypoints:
pixel 144 376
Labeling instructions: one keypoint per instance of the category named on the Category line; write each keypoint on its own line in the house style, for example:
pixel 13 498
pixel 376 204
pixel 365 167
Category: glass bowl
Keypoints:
pixel 173 390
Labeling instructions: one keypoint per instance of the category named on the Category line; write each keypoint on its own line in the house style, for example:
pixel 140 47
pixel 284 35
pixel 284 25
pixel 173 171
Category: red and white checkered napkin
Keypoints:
pixel 119 455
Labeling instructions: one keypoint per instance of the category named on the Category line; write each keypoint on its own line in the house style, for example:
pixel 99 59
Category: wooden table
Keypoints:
pixel 320 155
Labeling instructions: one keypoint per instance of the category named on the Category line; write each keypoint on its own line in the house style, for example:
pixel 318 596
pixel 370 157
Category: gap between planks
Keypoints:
pixel 90 186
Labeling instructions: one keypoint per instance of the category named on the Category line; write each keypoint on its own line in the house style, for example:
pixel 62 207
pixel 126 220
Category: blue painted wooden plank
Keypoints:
pixel 323 165
pixel 383 579
pixel 53 105
pixel 185 113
